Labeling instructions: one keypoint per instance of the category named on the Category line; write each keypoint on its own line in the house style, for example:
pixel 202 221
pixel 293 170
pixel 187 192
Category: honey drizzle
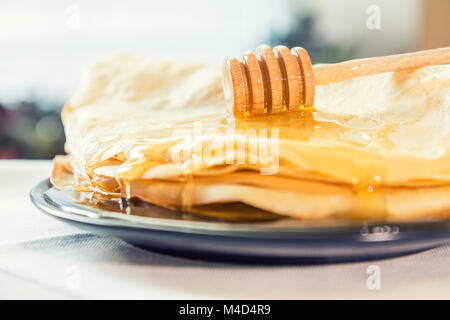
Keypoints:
pixel 329 145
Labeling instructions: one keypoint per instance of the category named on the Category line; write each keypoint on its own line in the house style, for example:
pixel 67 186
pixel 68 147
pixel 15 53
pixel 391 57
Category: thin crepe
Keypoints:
pixel 377 146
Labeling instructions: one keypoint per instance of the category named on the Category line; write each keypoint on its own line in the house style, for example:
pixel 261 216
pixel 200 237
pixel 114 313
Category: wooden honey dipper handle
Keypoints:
pixel 277 80
pixel 325 74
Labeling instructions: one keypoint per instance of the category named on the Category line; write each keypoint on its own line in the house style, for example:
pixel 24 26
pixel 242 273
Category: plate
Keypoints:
pixel 279 241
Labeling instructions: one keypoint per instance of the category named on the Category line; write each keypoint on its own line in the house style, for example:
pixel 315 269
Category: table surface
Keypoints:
pixel 41 257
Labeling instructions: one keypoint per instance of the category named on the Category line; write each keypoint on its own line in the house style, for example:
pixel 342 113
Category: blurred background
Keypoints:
pixel 44 45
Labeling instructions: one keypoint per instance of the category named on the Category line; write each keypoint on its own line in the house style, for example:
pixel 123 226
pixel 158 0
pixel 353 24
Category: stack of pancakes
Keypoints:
pixel 157 130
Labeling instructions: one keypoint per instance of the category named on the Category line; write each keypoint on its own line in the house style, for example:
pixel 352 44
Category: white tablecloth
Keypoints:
pixel 41 257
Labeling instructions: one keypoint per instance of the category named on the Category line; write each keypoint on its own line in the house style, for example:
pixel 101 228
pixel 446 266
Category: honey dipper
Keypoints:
pixel 277 80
